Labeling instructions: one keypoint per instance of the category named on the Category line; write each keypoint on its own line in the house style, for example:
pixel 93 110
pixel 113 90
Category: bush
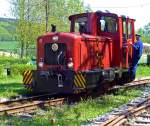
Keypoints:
pixel 6 37
pixel 7 61
pixel 17 66
pixel 18 69
pixel 1 70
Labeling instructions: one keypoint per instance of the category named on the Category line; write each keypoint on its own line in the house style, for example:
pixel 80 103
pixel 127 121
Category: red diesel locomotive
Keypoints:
pixel 93 53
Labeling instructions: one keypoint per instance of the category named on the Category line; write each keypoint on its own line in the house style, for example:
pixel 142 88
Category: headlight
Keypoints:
pixel 70 65
pixel 40 64
pixel 54 47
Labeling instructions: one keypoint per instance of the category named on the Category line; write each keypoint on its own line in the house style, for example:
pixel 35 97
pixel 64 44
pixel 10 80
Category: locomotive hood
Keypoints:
pixel 66 37
pixel 56 49
pixel 61 35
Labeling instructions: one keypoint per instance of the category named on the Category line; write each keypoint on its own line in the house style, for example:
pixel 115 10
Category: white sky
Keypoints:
pixel 137 9
pixel 4 8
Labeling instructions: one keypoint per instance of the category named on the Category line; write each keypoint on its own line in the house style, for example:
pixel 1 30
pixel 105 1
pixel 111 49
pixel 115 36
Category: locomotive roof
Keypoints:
pixel 97 12
pixel 88 13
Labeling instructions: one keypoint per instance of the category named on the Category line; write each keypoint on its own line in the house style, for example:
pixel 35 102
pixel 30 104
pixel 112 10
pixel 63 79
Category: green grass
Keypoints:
pixel 143 71
pixel 3 27
pixel 11 86
pixel 3 31
pixel 9 45
pixel 7 30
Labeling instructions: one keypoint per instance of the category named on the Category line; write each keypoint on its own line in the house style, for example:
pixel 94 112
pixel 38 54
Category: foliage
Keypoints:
pixel 32 16
pixel 10 46
pixel 6 31
pixel 11 85
pixel 7 61
pixel 66 8
pixel 17 66
pixel 18 69
pixel 145 32
pixel 1 70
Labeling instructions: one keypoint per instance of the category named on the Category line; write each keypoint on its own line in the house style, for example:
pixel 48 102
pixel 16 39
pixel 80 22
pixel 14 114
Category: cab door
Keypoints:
pixel 130 38
pixel 127 36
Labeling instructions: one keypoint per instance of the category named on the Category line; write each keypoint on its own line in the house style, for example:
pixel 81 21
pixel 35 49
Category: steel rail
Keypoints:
pixel 22 100
pixel 32 106
pixel 118 120
pixel 134 111
pixel 136 83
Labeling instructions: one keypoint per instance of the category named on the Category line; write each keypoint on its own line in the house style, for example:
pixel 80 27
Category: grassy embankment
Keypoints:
pixel 7 30
pixel 11 85
pixel 10 46
pixel 7 37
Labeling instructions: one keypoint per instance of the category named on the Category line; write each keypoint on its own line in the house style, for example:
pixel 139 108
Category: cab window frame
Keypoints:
pixel 81 22
pixel 114 16
pixel 129 29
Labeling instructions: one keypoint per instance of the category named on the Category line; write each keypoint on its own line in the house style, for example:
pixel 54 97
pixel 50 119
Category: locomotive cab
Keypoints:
pixel 93 53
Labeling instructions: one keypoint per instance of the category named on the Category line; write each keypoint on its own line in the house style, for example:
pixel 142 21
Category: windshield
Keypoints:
pixel 108 24
pixel 81 25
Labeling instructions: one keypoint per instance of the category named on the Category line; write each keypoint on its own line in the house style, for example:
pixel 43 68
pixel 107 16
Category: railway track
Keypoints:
pixel 34 102
pixel 135 113
pixel 136 83
pixel 139 117
pixel 28 104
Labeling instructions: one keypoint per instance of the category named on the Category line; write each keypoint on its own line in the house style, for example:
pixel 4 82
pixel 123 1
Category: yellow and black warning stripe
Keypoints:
pixel 27 77
pixel 80 82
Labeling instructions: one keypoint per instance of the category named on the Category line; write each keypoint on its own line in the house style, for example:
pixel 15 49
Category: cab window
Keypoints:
pixel 108 24
pixel 81 25
pixel 129 30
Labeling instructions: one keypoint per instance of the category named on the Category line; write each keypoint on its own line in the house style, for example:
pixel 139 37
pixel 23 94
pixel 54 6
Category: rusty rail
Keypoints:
pixel 31 106
pixel 120 119
pixel 119 116
pixel 136 83
pixel 28 103
pixel 132 110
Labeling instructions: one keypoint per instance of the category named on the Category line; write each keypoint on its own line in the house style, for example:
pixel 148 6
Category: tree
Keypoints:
pixel 35 16
pixel 27 26
pixel 145 32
